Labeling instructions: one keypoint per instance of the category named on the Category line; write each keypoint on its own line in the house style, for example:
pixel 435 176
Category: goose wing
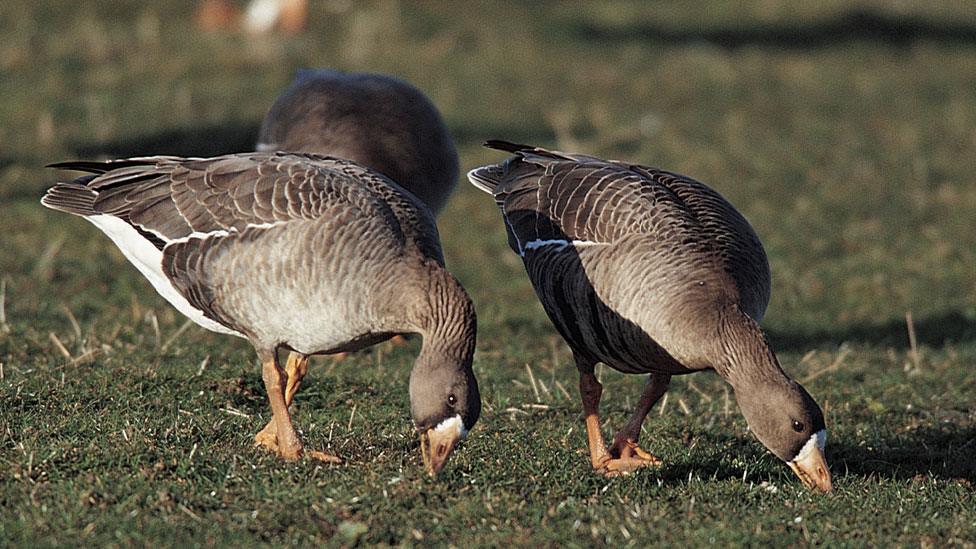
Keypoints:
pixel 550 198
pixel 185 207
pixel 547 196
pixel 172 199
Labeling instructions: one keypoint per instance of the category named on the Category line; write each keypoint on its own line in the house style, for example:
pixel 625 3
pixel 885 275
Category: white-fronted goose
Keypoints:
pixel 378 121
pixel 313 254
pixel 651 272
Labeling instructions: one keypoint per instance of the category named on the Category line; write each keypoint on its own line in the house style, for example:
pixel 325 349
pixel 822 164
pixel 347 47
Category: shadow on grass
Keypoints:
pixel 235 137
pixel 230 137
pixel 935 331
pixel 942 452
pixel 855 25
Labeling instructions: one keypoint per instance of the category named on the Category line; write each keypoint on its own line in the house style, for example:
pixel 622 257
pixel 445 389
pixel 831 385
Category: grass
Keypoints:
pixel 852 155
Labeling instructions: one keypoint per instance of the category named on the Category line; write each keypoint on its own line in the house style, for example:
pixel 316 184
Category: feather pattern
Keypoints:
pixel 238 236
pixel 626 259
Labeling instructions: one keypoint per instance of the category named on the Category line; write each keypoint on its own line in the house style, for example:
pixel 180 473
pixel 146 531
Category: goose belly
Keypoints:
pixel 314 286
pixel 327 319
pixel 148 260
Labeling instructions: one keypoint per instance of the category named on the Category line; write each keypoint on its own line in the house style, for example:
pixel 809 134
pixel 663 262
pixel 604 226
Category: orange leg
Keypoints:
pixel 625 456
pixel 287 444
pixel 625 442
pixel 591 391
pixel 295 369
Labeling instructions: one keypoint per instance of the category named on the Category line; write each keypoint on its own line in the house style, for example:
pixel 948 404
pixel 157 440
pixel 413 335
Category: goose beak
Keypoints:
pixel 811 466
pixel 437 444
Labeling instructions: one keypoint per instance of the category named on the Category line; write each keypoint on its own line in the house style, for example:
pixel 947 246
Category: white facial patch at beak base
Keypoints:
pixel 817 441
pixel 452 423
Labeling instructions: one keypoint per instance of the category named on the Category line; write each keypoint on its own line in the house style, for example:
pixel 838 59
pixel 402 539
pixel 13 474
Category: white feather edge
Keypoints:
pixel 476 181
pixel 534 244
pixel 453 422
pixel 561 243
pixel 817 440
pixel 149 261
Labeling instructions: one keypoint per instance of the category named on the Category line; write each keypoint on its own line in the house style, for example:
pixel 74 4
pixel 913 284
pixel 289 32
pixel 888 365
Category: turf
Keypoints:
pixel 843 131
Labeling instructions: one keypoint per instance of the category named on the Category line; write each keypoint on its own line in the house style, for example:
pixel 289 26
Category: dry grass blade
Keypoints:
pixel 234 412
pixel 190 513
pixel 84 357
pixel 154 322
pixel 352 415
pixel 43 268
pixel 535 388
pixel 179 331
pixel 563 390
pixel 701 393
pixel 844 351
pixel 4 327
pixel 75 327
pixel 60 346
pixel 912 341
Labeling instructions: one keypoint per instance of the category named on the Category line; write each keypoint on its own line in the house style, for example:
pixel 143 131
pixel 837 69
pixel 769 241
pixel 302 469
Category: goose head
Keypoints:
pixel 445 404
pixel 444 398
pixel 779 411
pixel 786 419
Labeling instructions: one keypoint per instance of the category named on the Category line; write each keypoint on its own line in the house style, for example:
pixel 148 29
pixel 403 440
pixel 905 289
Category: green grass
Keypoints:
pixel 853 158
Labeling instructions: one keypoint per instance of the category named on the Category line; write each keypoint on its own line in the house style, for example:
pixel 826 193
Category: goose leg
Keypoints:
pixel 286 444
pixel 625 442
pixel 590 391
pixel 295 369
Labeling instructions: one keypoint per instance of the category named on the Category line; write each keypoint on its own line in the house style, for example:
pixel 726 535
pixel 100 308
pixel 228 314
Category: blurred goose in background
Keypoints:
pixel 261 17
pixel 375 120
pixel 307 253
pixel 651 272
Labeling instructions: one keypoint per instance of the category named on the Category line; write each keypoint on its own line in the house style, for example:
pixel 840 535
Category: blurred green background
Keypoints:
pixel 845 131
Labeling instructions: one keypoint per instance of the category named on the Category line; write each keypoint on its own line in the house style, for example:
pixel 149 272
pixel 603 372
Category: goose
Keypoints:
pixel 651 272
pixel 376 120
pixel 297 252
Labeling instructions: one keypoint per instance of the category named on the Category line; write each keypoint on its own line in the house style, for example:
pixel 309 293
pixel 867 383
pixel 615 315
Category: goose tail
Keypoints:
pixel 74 198
pixel 487 177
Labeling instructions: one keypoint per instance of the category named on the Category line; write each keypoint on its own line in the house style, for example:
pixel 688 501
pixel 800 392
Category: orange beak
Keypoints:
pixel 812 470
pixel 436 446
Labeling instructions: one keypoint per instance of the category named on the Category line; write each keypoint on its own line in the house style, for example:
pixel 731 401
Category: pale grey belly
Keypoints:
pixel 312 288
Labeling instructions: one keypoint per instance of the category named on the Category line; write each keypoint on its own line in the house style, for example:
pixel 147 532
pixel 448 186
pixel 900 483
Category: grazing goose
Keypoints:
pixel 308 253
pixel 651 272
pixel 378 121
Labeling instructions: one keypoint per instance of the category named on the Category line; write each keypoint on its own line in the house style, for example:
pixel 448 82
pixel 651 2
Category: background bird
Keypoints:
pixel 376 120
pixel 307 253
pixel 651 272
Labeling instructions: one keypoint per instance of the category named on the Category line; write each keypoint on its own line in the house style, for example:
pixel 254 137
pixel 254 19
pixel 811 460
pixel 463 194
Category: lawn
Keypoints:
pixel 843 130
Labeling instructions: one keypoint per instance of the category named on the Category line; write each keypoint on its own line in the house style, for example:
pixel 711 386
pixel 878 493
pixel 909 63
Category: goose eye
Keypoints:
pixel 797 426
pixel 452 400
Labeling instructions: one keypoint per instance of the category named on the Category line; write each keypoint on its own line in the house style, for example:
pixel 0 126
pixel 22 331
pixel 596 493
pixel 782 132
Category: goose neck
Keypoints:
pixel 449 324
pixel 747 357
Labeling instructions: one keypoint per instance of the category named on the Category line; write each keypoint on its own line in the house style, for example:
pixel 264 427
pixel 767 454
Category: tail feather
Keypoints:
pixel 487 177
pixel 508 146
pixel 533 154
pixel 74 198
pixel 104 166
